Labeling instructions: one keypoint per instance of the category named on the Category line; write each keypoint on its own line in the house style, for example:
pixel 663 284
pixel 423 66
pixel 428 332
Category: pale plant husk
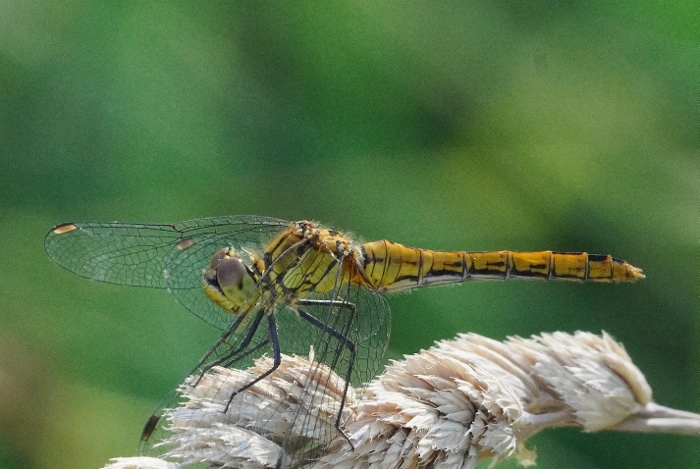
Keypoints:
pixel 451 406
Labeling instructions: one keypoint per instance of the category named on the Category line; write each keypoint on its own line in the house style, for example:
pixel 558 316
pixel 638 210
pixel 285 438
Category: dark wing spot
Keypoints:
pixel 149 427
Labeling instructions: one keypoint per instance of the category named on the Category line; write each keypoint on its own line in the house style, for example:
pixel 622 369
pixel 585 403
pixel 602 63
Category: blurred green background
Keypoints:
pixel 446 125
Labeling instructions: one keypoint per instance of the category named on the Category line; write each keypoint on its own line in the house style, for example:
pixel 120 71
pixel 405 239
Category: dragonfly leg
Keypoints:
pixel 245 341
pixel 344 341
pixel 154 418
pixel 276 358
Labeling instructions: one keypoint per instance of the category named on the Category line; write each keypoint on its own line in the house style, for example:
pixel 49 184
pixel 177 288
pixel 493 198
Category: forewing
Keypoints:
pixel 169 256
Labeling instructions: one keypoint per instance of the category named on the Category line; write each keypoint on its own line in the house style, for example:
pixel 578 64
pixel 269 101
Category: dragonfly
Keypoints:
pixel 276 287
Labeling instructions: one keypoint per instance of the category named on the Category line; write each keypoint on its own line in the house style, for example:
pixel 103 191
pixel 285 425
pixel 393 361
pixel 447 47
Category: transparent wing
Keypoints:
pixel 352 318
pixel 168 256
pixel 346 329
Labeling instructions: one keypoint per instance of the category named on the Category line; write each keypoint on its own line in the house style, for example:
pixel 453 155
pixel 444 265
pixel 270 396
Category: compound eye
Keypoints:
pixel 219 256
pixel 210 271
pixel 230 273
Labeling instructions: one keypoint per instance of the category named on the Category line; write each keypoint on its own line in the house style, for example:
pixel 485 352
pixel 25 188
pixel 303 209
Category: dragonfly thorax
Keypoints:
pixel 228 280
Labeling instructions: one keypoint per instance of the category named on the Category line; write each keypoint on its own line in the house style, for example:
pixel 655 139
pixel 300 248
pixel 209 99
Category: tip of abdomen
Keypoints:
pixel 631 273
pixel 605 268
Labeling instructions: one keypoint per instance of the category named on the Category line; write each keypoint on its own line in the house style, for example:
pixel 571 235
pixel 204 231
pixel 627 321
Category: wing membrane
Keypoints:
pixel 168 256
pixel 347 313
pixel 347 327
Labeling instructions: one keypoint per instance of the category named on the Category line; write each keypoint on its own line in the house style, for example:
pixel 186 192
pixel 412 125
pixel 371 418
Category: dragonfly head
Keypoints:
pixel 228 281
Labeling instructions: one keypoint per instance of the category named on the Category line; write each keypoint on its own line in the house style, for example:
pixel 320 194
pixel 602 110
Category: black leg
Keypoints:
pixel 232 353
pixel 344 341
pixel 241 356
pixel 276 359
pixel 221 340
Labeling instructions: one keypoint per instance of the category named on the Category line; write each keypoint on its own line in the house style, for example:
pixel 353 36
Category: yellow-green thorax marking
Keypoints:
pixel 303 259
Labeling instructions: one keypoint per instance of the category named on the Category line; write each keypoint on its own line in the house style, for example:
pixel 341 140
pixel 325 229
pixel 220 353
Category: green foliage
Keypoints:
pixel 445 125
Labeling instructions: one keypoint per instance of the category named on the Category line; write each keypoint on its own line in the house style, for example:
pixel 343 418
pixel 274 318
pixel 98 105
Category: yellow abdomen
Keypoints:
pixel 391 267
